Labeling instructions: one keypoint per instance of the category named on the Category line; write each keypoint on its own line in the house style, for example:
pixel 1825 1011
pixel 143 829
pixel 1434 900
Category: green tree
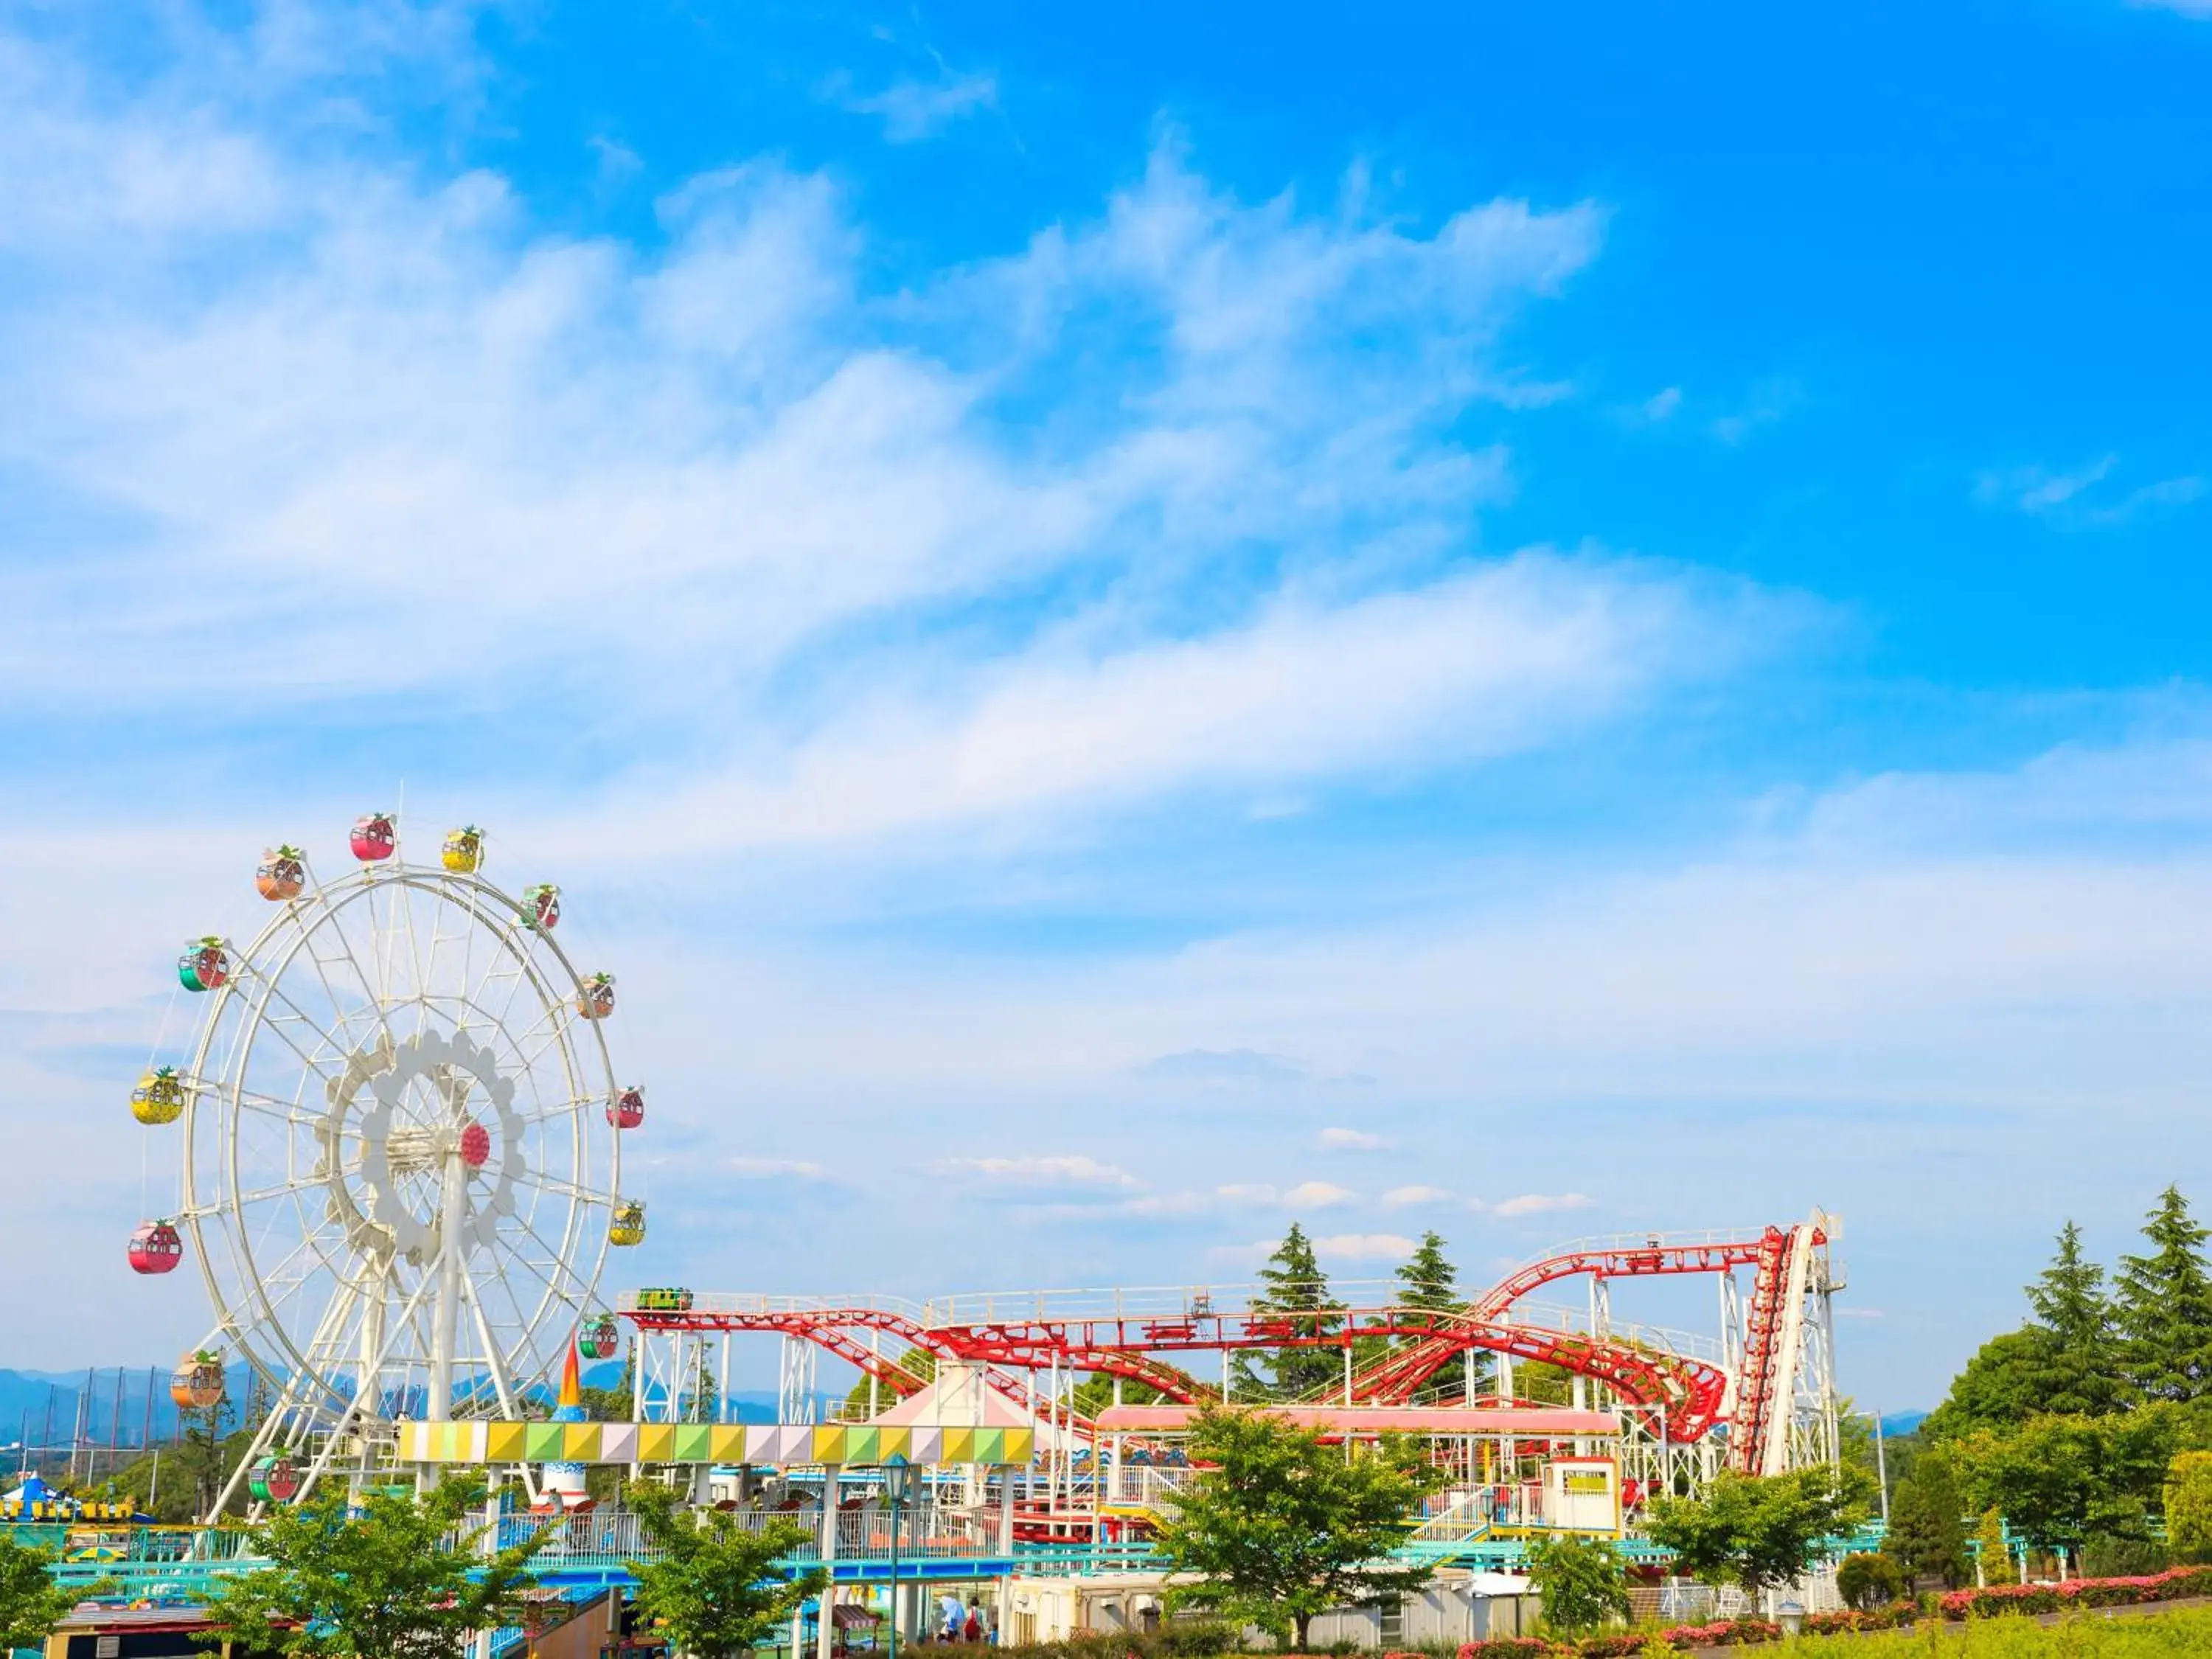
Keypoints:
pixel 1998 1389
pixel 1581 1581
pixel 619 1403
pixel 388 1581
pixel 1096 1392
pixel 1759 1531
pixel 1992 1557
pixel 31 1603
pixel 1866 1580
pixel 1927 1536
pixel 914 1362
pixel 1430 1282
pixel 2079 1371
pixel 2165 1305
pixel 2188 1504
pixel 717 1586
pixel 1277 1527
pixel 1293 1284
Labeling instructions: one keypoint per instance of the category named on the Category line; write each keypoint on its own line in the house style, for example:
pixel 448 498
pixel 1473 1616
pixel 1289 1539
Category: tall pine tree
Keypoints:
pixel 1293 1285
pixel 2165 1305
pixel 2076 1367
pixel 1430 1282
pixel 1431 1285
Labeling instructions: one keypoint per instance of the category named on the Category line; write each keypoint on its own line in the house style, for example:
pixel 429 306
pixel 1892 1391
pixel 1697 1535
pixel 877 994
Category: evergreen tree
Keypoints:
pixel 1926 1529
pixel 1430 1282
pixel 2075 1368
pixel 1992 1559
pixel 1293 1284
pixel 2165 1305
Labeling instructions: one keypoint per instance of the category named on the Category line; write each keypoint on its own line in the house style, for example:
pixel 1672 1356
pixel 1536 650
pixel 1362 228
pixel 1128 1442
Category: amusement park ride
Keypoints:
pixel 401 1137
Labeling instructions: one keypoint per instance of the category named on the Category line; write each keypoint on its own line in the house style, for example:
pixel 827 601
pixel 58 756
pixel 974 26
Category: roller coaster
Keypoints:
pixel 1759 1400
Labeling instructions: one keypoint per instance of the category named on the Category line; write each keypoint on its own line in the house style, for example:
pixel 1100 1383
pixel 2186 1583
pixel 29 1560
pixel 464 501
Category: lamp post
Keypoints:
pixel 898 1473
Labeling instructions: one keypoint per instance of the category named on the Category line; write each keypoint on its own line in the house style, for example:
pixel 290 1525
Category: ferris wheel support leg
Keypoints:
pixel 445 1320
pixel 510 1405
pixel 353 1406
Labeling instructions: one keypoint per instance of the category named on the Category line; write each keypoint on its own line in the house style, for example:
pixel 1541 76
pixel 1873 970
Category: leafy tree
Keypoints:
pixel 1759 1531
pixel 1294 1283
pixel 1927 1536
pixel 915 1362
pixel 716 1585
pixel 388 1582
pixel 619 1403
pixel 1866 1580
pixel 2165 1305
pixel 2000 1388
pixel 1278 1527
pixel 1992 1556
pixel 2188 1504
pixel 31 1603
pixel 1096 1392
pixel 1431 1281
pixel 1581 1580
pixel 2079 1355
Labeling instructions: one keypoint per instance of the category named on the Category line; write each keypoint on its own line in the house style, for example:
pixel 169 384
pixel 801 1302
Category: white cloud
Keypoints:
pixel 1318 1195
pixel 762 1168
pixel 1074 1170
pixel 2186 8
pixel 1399 1198
pixel 1246 1192
pixel 1664 406
pixel 2072 498
pixel 912 108
pixel 1352 1140
pixel 1365 1247
pixel 1540 1204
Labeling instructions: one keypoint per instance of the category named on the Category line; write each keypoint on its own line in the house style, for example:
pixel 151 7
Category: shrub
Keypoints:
pixel 1866 1580
pixel 1507 1647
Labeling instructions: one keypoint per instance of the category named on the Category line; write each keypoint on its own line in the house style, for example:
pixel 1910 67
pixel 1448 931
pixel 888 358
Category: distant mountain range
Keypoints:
pixel 1903 1422
pixel 43 1406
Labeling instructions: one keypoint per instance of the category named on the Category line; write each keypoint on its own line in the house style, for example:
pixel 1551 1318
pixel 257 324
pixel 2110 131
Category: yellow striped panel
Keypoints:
pixel 727 1444
pixel 656 1442
pixel 830 1443
pixel 503 1443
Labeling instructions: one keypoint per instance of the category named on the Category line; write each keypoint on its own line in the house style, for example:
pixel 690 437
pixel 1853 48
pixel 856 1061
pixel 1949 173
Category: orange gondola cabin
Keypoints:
pixel 282 874
pixel 597 999
pixel 197 1383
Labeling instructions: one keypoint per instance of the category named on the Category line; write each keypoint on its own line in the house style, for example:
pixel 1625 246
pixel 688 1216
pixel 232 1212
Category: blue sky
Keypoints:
pixel 1529 620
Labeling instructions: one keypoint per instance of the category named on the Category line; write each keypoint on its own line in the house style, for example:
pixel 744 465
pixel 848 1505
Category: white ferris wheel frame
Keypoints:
pixel 355 1053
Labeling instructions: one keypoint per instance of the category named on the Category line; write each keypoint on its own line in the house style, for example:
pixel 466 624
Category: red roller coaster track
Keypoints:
pixel 1690 1396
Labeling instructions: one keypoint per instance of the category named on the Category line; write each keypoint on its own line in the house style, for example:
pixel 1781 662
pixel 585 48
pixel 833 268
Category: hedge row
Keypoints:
pixel 2172 1585
pixel 2178 1584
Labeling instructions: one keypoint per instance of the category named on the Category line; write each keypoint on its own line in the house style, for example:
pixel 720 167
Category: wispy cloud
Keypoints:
pixel 1363 1247
pixel 2071 499
pixel 915 107
pixel 1352 1140
pixel 768 1168
pixel 1399 1197
pixel 1318 1195
pixel 1072 1169
pixel 1224 1065
pixel 1539 1204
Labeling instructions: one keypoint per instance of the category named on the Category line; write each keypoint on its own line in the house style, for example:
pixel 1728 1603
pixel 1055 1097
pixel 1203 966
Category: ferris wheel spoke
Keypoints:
pixel 556 1184
pixel 369 1007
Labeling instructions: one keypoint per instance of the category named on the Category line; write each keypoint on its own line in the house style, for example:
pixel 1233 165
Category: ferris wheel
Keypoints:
pixel 402 1148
